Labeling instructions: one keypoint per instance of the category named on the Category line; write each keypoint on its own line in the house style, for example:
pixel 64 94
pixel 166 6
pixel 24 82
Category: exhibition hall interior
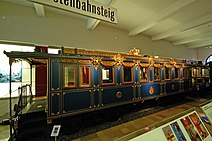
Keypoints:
pixel 105 70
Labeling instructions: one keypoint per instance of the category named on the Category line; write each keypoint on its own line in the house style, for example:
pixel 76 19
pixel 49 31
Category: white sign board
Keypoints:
pixel 88 8
pixel 55 130
pixel 208 111
pixel 186 128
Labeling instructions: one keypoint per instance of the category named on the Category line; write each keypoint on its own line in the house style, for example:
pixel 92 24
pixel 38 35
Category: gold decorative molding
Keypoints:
pixel 177 66
pixel 69 51
pixel 69 61
pixel 157 65
pixel 144 65
pixel 108 63
pixel 168 65
pixel 96 62
pixel 44 61
pixel 84 61
pixel 118 94
pixel 151 62
pixel 136 63
pixel 128 64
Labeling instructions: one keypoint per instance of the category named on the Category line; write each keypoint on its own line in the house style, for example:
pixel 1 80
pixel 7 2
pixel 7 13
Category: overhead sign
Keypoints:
pixel 84 7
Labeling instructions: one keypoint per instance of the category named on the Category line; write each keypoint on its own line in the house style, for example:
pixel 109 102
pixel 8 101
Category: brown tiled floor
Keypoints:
pixel 130 129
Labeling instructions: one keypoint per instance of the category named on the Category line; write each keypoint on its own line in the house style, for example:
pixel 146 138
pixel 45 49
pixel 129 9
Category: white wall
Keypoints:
pixel 203 53
pixel 23 25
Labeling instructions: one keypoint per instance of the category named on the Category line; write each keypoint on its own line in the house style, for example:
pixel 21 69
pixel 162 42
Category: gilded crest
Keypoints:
pixel 134 51
pixel 96 62
pixel 151 90
pixel 119 60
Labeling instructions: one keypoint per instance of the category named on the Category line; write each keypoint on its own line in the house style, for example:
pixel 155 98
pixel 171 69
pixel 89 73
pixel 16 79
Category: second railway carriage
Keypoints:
pixel 81 81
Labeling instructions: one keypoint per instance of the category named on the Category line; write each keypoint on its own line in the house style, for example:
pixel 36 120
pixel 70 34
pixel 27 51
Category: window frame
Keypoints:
pixel 169 72
pixel 178 73
pixel 80 76
pixel 110 83
pixel 73 65
pixel 147 73
pixel 132 76
pixel 156 80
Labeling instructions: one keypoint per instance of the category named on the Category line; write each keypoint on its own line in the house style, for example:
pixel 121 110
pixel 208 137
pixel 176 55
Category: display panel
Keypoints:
pixel 143 74
pixel 69 72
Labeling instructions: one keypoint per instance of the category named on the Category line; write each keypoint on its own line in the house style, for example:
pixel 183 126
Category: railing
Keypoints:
pixel 25 97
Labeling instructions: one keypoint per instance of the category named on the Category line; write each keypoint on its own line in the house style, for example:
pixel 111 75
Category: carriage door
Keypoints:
pixel 40 80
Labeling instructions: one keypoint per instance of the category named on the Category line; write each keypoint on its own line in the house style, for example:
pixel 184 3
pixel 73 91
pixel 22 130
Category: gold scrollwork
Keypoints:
pixel 134 51
pixel 136 63
pixel 96 62
pixel 157 65
pixel 119 94
pixel 168 65
pixel 44 61
pixel 177 66
pixel 68 51
pixel 151 62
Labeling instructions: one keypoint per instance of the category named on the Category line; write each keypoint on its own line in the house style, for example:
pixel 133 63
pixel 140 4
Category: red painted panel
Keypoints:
pixel 40 80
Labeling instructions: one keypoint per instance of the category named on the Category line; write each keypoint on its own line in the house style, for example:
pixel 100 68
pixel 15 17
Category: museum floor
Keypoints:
pixel 133 128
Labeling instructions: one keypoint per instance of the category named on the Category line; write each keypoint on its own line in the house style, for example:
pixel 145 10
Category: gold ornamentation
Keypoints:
pixel 151 90
pixel 108 63
pixel 119 60
pixel 136 63
pixel 128 64
pixel 85 61
pixel 177 66
pixel 44 61
pixel 168 65
pixel 96 62
pixel 151 62
pixel 157 65
pixel 144 65
pixel 119 94
pixel 68 51
pixel 134 51
pixel 69 61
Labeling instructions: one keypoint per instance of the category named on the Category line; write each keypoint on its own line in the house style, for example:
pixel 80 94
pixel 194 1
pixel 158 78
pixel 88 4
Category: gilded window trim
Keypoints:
pixel 177 73
pixel 74 86
pixel 132 75
pixel 80 81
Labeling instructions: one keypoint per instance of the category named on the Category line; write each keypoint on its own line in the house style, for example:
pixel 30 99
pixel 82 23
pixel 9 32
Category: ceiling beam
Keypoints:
pixel 184 27
pixel 92 23
pixel 159 17
pixel 200 44
pixel 195 38
pixel 39 9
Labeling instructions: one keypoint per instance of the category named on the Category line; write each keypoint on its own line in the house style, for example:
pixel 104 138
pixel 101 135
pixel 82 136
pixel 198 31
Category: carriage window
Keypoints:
pixel 177 73
pixel 186 73
pixel 156 74
pixel 127 74
pixel 107 74
pixel 69 75
pixel 167 73
pixel 143 74
pixel 84 76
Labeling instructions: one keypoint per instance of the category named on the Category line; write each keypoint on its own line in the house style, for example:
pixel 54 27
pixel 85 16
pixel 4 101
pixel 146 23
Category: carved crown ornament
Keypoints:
pixel 134 51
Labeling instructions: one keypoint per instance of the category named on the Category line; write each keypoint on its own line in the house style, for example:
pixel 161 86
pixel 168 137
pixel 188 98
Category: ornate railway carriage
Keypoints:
pixel 81 81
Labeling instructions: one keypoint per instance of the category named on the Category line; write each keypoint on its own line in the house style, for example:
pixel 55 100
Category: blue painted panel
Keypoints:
pixel 55 103
pixel 150 74
pixel 55 74
pixel 96 76
pixel 172 87
pixel 136 75
pixel 172 73
pixel 181 73
pixel 162 74
pixel 109 94
pixel 163 88
pixel 150 89
pixel 119 74
pixel 76 100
